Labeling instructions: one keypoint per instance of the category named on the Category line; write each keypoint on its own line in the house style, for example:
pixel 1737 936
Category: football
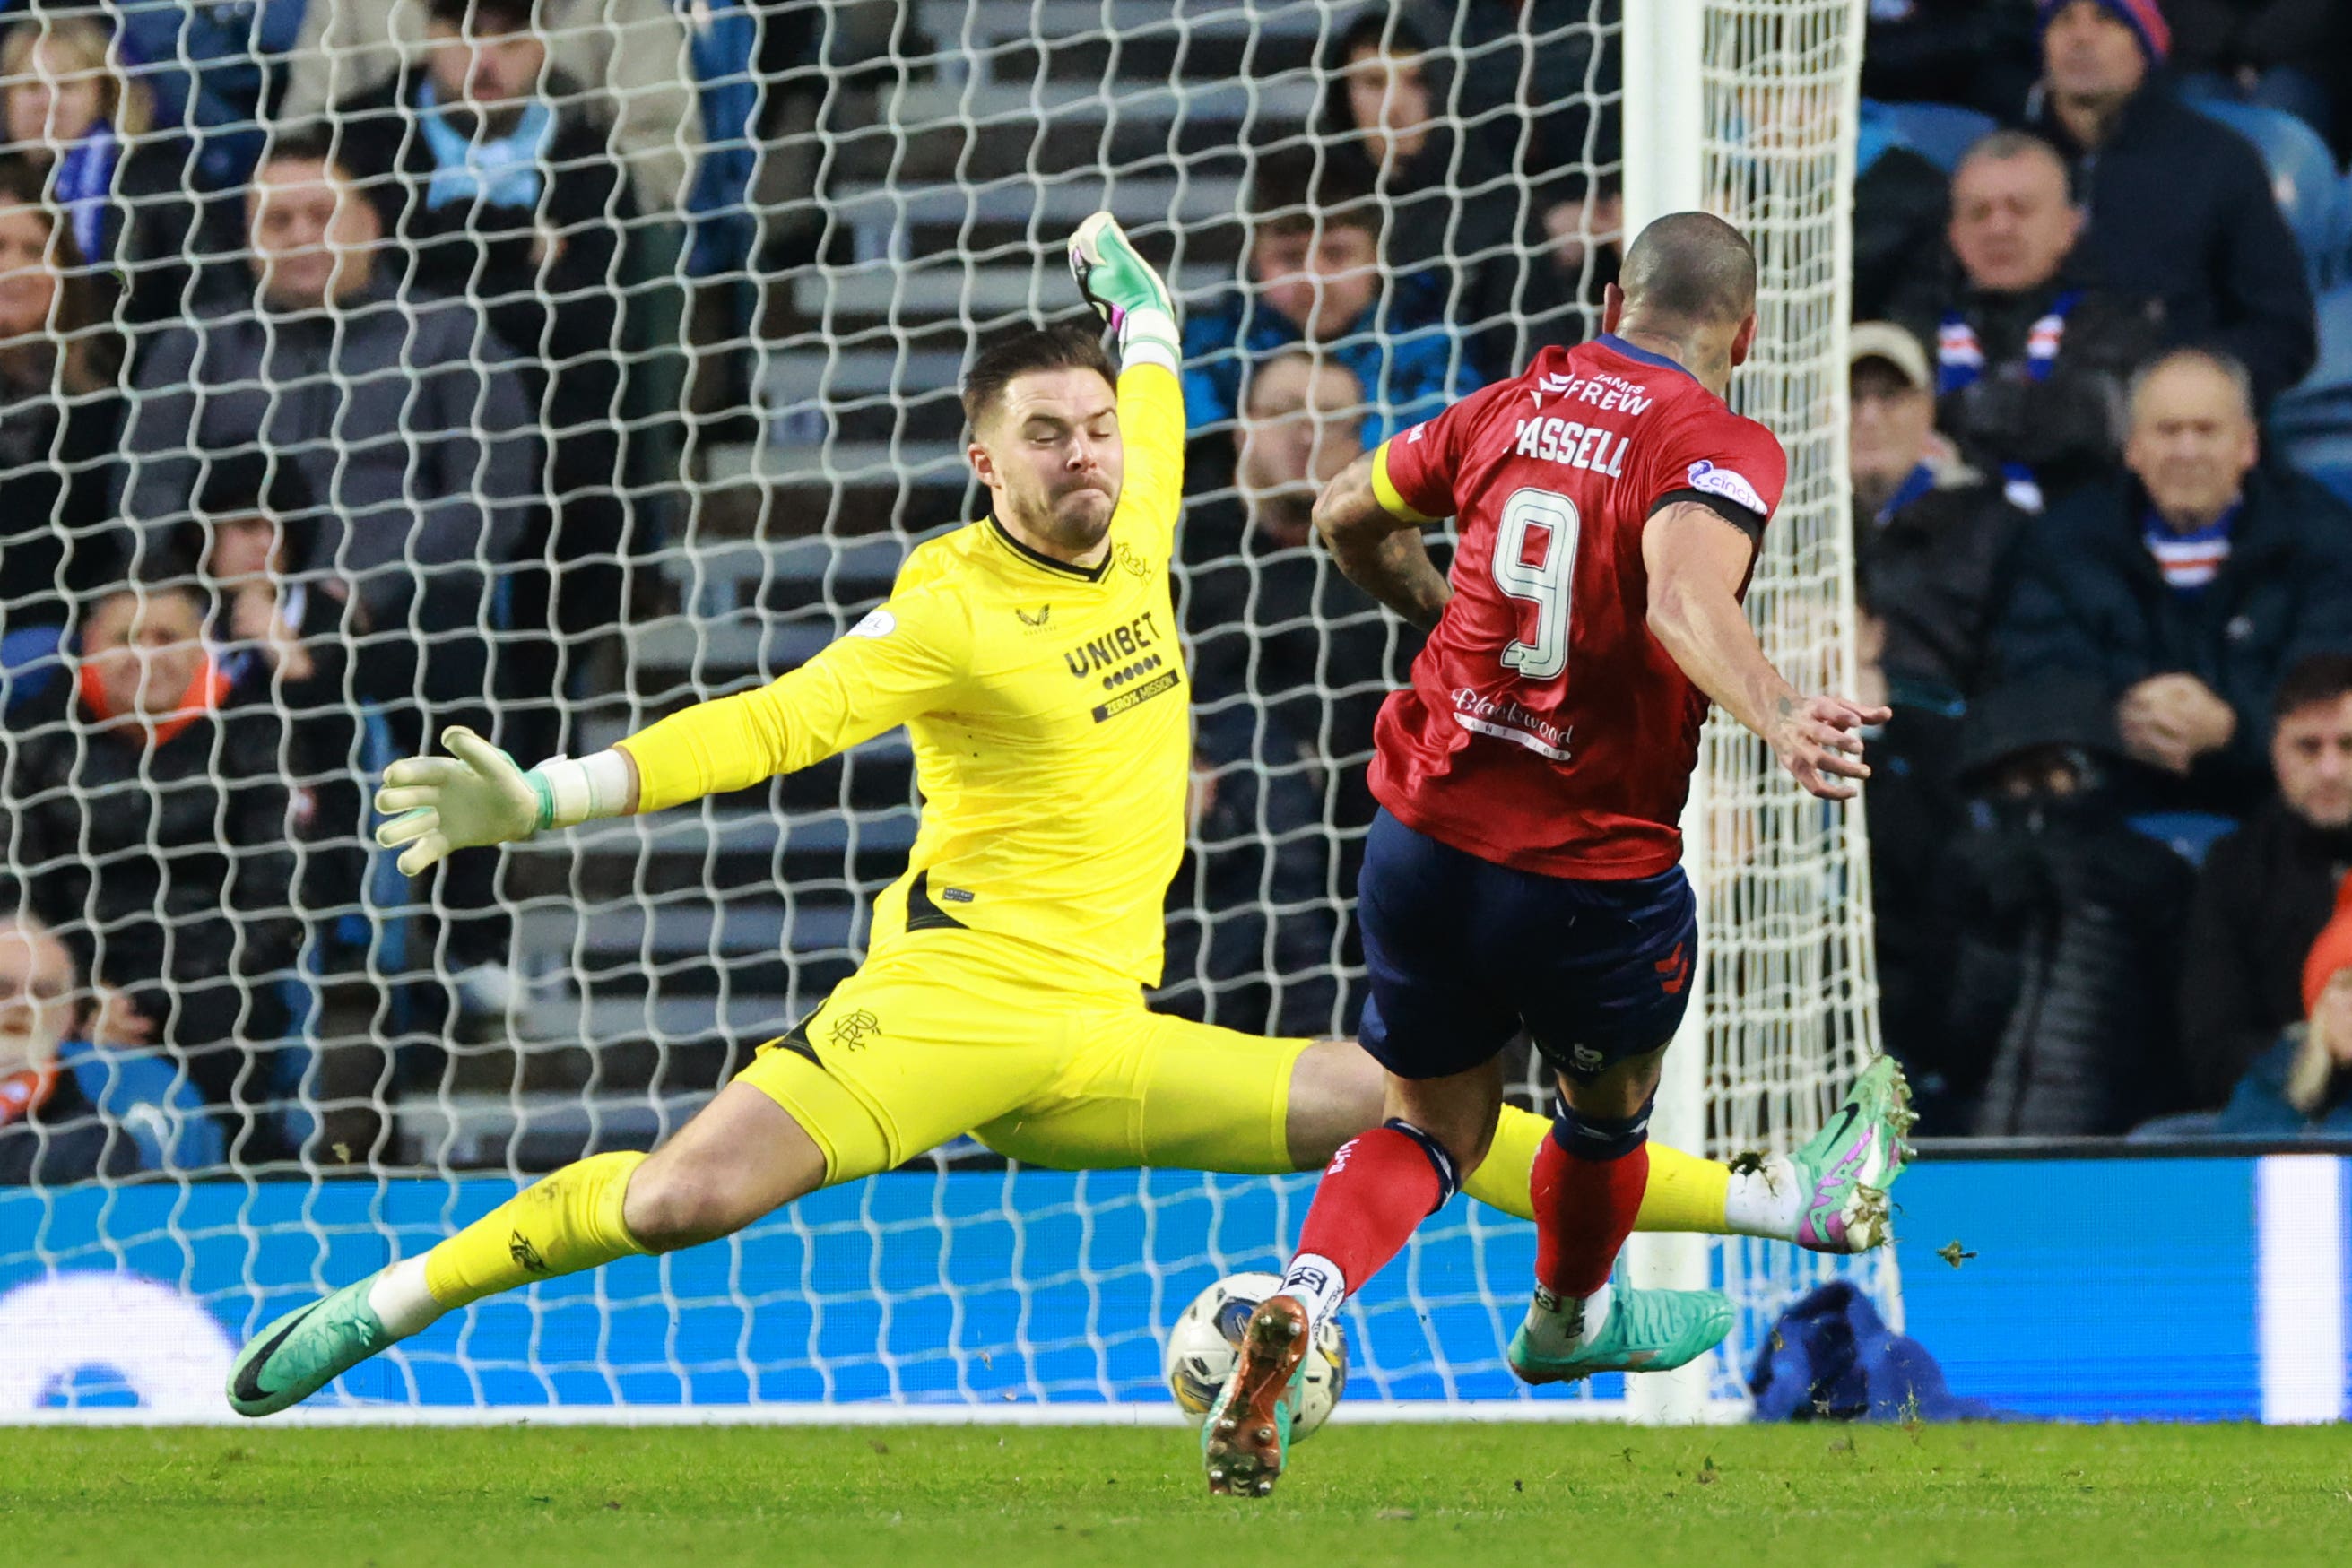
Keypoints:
pixel 1206 1340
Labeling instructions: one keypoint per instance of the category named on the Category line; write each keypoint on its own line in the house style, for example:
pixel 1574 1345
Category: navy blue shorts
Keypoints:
pixel 1465 953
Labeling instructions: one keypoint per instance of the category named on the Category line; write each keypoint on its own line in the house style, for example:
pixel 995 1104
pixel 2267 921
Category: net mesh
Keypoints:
pixel 634 391
pixel 1792 994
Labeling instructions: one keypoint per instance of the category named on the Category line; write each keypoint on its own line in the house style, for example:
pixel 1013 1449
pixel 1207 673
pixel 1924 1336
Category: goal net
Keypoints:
pixel 573 391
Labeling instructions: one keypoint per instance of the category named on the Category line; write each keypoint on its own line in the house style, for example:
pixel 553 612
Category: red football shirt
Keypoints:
pixel 1544 726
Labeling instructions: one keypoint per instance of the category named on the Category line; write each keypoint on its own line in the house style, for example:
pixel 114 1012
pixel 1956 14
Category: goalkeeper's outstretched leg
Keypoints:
pixel 742 1156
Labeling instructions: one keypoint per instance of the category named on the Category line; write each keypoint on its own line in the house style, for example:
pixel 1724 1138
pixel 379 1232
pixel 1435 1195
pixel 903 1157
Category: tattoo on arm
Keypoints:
pixel 1396 570
pixel 1379 553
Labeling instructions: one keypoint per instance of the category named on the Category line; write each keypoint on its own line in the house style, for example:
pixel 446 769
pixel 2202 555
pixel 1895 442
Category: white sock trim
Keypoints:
pixel 1559 1327
pixel 586 788
pixel 1315 1281
pixel 400 1299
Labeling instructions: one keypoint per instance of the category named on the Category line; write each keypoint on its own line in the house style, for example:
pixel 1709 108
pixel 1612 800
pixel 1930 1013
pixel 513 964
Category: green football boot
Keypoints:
pixel 1246 1436
pixel 1846 1167
pixel 304 1351
pixel 1646 1330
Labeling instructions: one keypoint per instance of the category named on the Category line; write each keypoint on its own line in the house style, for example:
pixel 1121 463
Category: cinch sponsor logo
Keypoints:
pixel 1114 647
pixel 1557 440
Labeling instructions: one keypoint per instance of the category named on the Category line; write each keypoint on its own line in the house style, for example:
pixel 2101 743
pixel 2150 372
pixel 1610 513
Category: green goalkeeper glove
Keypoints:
pixel 475 796
pixel 1125 290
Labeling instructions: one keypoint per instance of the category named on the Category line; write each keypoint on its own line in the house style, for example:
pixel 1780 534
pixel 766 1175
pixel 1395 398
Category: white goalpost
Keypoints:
pixel 1748 110
pixel 875 189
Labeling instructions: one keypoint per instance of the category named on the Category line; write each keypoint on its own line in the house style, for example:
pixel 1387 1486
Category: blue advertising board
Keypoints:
pixel 2187 1289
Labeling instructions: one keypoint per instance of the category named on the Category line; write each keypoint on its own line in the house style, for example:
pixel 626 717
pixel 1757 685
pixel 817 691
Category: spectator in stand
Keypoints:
pixel 1448 197
pixel 61 416
pixel 2280 54
pixel 153 821
pixel 2301 1086
pixel 1253 924
pixel 1932 540
pixel 217 70
pixel 2180 211
pixel 409 423
pixel 2188 585
pixel 2052 916
pixel 2031 353
pixel 408 419
pixel 1539 82
pixel 1312 275
pixel 277 632
pixel 629 55
pixel 1512 315
pixel 490 170
pixel 1978 54
pixel 1274 626
pixel 131 190
pixel 1290 663
pixel 80 1100
pixel 1934 535
pixel 2267 889
pixel 1901 201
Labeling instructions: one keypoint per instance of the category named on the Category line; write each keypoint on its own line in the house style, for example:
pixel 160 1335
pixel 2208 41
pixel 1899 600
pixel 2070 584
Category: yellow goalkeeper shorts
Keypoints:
pixel 953 1032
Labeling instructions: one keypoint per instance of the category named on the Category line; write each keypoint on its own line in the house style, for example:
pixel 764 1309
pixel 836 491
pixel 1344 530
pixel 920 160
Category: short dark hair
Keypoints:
pixel 488 16
pixel 245 484
pixel 1064 346
pixel 164 571
pixel 2311 680
pixel 1690 267
pixel 1293 190
pixel 307 142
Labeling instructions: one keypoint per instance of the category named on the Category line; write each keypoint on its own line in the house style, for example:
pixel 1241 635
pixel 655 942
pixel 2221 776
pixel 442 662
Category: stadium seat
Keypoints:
pixel 2182 1124
pixel 1939 132
pixel 30 657
pixel 2303 177
pixel 2188 834
pixel 2311 425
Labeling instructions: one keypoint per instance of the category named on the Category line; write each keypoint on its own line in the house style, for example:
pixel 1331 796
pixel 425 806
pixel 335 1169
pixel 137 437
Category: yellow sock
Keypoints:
pixel 1685 1193
pixel 570 1221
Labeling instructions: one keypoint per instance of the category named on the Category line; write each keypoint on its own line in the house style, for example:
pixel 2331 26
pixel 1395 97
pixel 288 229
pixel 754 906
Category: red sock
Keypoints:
pixel 1584 1210
pixel 1378 1188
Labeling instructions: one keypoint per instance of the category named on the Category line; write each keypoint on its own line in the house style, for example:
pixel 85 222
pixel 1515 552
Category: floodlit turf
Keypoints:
pixel 1589 1497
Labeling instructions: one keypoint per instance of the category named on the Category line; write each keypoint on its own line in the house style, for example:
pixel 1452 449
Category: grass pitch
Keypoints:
pixel 1592 1496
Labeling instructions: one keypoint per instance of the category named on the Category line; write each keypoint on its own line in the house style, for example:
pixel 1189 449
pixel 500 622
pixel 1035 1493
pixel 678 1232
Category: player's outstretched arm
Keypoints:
pixel 1126 292
pixel 1696 562
pixel 901 660
pixel 478 796
pixel 1380 551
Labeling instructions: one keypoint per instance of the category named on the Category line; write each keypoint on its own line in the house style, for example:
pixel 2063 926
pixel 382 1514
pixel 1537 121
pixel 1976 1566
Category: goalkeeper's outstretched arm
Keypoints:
pixel 904 659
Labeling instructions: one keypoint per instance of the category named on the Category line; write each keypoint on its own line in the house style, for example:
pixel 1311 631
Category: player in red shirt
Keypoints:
pixel 1524 872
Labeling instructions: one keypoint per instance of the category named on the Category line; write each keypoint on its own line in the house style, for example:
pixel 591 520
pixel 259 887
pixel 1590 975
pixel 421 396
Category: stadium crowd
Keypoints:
pixel 347 395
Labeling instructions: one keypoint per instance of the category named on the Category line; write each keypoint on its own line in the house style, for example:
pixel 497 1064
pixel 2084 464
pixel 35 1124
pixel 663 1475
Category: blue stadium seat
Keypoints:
pixel 2311 425
pixel 30 658
pixel 1939 132
pixel 2303 176
pixel 2188 834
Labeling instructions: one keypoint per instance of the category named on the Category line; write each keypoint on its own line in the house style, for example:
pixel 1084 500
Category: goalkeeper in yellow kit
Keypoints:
pixel 1033 657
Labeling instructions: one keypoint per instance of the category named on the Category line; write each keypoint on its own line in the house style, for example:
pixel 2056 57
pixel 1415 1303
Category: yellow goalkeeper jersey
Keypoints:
pixel 1048 707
